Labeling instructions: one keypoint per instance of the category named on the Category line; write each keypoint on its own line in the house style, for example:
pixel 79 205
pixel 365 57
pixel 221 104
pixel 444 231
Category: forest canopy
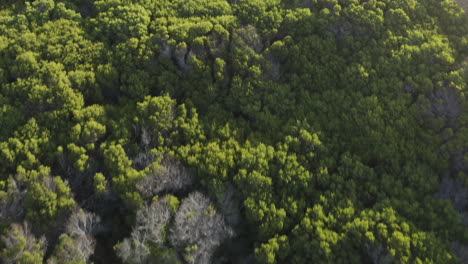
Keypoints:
pixel 233 131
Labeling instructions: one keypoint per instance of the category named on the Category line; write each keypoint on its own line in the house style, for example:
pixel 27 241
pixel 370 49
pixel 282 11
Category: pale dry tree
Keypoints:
pixel 198 229
pixel 143 160
pixel 11 205
pixel 19 243
pixel 78 243
pixel 81 227
pixel 133 250
pixel 169 176
pixel 151 222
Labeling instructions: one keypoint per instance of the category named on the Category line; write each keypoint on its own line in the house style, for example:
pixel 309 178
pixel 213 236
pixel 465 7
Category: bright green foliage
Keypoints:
pixel 118 22
pixel 78 154
pixel 47 197
pixel 89 133
pixel 158 115
pixel 173 202
pixel 275 248
pixel 100 183
pixel 124 177
pixel 316 131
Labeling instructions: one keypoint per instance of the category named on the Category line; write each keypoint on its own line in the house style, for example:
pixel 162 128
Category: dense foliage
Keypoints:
pixel 233 131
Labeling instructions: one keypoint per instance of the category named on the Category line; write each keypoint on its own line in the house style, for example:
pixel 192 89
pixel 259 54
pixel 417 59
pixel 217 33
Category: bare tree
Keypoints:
pixel 151 222
pixel 170 176
pixel 78 243
pixel 81 227
pixel 143 159
pixel 196 232
pixel 198 229
pixel 82 223
pixel 133 250
pixel 19 243
pixel 11 206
